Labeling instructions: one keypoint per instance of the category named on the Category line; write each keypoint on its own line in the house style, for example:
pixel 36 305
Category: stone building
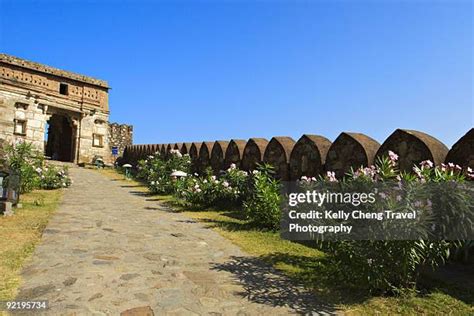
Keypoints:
pixel 63 113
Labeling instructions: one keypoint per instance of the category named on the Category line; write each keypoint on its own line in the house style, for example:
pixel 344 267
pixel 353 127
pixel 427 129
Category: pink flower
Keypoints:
pixel 392 156
pixel 429 204
pixel 426 164
pixel 331 176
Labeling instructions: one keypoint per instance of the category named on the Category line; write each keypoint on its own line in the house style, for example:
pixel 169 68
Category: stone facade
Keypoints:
pixel 60 112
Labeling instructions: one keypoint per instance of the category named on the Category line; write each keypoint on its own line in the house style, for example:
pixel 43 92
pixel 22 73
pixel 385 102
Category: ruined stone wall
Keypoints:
pixel 348 150
pixel 121 136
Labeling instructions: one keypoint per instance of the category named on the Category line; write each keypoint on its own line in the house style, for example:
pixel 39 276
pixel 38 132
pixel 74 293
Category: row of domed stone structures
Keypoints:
pixel 312 155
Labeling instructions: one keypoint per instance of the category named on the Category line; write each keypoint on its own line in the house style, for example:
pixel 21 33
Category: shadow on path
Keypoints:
pixel 264 285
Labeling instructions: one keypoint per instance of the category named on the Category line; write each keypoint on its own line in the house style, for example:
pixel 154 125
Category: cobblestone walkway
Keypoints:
pixel 109 249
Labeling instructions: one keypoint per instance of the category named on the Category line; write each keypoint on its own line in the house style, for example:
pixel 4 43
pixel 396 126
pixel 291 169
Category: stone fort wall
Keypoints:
pixel 121 136
pixel 312 155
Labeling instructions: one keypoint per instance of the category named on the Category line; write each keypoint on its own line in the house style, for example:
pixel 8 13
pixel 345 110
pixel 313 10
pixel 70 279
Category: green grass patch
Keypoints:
pixel 19 235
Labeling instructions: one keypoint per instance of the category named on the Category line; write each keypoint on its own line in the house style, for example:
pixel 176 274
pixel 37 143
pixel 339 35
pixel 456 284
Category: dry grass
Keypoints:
pixel 19 235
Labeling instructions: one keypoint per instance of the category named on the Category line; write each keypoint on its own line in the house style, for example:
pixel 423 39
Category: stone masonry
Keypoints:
pixel 121 136
pixel 60 112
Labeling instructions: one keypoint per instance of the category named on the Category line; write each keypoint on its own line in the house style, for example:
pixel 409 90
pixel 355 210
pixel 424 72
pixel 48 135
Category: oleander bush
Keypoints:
pixel 53 177
pixel 209 190
pixel 262 205
pixel 437 194
pixel 23 160
pixel 156 171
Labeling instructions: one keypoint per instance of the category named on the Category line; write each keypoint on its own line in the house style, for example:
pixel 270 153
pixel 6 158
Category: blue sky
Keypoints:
pixel 207 70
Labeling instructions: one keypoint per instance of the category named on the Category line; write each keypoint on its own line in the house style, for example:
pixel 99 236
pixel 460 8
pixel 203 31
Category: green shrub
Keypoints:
pixel 22 158
pixel 210 190
pixel 25 160
pixel 262 205
pixel 156 171
pixel 391 266
pixel 52 177
pixel 235 186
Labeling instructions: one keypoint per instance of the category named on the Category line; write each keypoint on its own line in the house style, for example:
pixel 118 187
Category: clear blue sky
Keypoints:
pixel 207 70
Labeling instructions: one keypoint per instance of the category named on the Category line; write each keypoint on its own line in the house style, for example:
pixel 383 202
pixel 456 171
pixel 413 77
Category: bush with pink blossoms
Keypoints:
pixel 392 265
pixel 209 190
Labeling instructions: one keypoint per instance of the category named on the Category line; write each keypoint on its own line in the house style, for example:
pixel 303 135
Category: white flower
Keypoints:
pixel 399 198
pixel 426 164
pixel 255 172
pixel 304 178
pixel 213 178
pixel 232 166
pixel 204 181
pixel 176 152
pixel 331 176
pixel 198 190
pixel 225 184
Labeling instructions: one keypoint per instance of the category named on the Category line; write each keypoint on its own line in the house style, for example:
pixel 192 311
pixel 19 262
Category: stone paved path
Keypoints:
pixel 109 249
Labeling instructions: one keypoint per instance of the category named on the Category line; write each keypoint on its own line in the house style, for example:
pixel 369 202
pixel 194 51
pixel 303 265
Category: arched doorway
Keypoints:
pixel 60 139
